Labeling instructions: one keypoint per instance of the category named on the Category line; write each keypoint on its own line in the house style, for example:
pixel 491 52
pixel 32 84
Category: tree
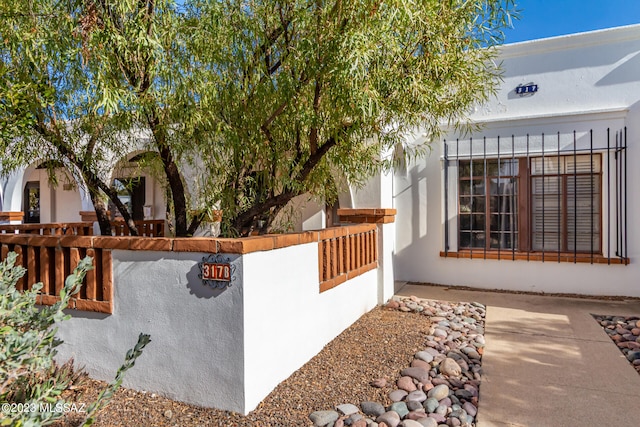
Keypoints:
pixel 82 84
pixel 248 104
pixel 301 91
pixel 49 108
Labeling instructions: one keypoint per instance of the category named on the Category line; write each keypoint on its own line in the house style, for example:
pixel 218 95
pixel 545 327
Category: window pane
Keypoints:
pixel 465 239
pixel 503 186
pixel 465 187
pixel 478 222
pixel 478 204
pixel 546 214
pixel 478 240
pixel 503 240
pixel 466 171
pixel 507 222
pixel 548 241
pixel 583 163
pixel 465 222
pixel 550 165
pixel 465 204
pixel 547 185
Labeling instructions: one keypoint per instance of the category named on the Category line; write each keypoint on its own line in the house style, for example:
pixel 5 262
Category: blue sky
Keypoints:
pixel 547 18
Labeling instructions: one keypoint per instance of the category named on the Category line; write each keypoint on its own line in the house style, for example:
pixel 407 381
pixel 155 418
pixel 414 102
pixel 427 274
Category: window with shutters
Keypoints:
pixel 562 198
pixel 565 203
pixel 559 208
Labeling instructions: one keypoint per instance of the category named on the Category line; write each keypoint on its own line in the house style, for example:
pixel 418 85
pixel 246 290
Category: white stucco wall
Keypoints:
pixel 197 333
pixel 227 348
pixel 586 81
pixel 287 321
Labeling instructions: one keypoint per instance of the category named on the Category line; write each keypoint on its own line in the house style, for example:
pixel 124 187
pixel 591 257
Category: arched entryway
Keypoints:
pixel 138 188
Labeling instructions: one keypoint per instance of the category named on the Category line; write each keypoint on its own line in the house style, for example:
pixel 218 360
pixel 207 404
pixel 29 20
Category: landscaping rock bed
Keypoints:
pixel 624 331
pixel 439 387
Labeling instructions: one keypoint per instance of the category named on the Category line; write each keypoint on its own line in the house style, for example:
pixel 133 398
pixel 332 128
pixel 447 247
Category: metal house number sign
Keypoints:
pixel 527 89
pixel 216 271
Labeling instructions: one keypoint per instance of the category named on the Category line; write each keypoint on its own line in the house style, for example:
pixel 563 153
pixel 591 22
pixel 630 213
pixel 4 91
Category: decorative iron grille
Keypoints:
pixel 560 197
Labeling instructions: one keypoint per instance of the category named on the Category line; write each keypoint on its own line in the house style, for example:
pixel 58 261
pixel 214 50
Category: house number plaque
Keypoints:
pixel 217 271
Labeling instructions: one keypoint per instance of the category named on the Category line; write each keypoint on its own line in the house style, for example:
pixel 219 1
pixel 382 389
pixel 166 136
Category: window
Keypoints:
pixel 488 207
pixel 564 209
pixel 565 203
pixel 522 199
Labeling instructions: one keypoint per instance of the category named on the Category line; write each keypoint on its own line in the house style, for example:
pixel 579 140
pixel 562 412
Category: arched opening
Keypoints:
pixel 138 187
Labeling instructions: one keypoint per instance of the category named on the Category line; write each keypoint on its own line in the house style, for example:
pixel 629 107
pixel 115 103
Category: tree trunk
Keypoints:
pixel 101 212
pixel 174 178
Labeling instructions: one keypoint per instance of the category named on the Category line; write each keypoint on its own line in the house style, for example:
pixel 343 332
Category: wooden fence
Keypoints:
pixel 50 259
pixel 146 228
pixel 346 252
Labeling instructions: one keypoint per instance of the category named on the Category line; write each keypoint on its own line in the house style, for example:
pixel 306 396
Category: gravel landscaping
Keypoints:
pixel 624 331
pixel 391 358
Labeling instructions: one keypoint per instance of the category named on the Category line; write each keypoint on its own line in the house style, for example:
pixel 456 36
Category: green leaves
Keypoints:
pixel 222 90
pixel 27 344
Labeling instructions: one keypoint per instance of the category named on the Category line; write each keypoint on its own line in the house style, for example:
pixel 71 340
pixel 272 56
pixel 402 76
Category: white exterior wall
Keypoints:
pixel 287 321
pixel 196 348
pixel 226 349
pixel 586 81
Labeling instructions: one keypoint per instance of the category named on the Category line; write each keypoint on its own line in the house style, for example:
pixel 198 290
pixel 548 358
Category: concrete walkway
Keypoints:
pixel 547 362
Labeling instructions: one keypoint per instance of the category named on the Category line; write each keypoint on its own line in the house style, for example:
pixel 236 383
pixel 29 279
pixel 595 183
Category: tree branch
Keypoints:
pixel 284 198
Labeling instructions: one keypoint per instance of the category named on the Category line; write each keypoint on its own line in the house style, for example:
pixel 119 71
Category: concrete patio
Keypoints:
pixel 547 362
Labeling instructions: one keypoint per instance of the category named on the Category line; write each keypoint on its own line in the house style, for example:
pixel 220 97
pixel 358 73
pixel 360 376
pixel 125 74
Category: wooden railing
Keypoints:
pixel 53 229
pixel 50 259
pixel 346 252
pixel 49 253
pixel 146 228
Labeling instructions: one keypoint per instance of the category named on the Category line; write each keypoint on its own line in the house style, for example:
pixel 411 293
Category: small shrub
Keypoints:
pixel 31 385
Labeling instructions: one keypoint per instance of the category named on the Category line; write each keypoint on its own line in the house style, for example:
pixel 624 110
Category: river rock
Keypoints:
pixel 428 422
pixel 424 355
pixel 390 418
pixel 420 374
pixel 347 409
pixel 400 408
pixel 372 409
pixel 322 418
pixel 397 395
pixel 439 392
pixel 450 367
pixel 406 383
pixel 416 396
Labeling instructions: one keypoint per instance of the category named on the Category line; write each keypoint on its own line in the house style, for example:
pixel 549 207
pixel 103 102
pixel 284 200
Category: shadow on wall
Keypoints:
pixel 626 72
pixel 418 222
pixel 587 57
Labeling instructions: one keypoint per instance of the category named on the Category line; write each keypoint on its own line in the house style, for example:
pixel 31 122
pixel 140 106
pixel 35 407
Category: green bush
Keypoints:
pixel 31 385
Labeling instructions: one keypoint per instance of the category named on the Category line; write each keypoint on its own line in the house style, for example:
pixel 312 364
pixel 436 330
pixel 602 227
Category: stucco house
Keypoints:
pixel 540 198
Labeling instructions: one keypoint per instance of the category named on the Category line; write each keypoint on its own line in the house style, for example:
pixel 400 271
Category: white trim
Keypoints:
pixel 570 41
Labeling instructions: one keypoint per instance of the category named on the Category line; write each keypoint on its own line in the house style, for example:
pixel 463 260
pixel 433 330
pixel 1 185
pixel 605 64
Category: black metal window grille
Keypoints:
pixel 554 196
